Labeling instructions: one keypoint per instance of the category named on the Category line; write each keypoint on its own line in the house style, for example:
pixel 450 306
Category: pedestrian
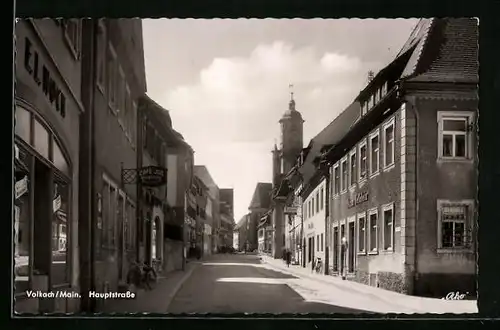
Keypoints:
pixel 288 258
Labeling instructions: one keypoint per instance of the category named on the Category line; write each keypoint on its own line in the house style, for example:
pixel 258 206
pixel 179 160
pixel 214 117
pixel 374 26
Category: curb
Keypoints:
pixel 179 285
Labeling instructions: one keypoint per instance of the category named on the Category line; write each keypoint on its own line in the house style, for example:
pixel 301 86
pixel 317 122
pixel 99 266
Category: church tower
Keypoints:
pixel 292 132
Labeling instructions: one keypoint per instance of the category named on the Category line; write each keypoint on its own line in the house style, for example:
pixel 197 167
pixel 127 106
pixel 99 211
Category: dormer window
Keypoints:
pixel 383 89
pixel 376 96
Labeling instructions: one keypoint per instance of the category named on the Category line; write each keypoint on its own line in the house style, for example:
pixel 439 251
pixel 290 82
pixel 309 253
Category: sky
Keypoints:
pixel 226 83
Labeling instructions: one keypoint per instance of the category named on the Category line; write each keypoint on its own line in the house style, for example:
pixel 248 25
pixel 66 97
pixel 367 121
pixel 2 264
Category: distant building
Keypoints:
pixel 213 219
pixel 242 232
pixel 227 217
pixel 259 209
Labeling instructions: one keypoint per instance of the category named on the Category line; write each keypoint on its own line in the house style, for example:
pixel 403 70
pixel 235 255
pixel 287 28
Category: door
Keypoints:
pixel 350 266
pixel 336 249
pixel 121 237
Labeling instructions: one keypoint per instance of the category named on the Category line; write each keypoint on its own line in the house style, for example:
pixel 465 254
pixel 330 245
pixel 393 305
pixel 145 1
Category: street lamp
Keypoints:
pixel 343 257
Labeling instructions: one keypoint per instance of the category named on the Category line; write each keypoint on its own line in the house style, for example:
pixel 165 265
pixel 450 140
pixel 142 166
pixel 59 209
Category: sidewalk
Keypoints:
pixel 156 300
pixel 394 302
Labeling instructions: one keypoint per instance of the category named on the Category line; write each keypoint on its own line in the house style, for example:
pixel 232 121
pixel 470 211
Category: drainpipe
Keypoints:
pixel 327 222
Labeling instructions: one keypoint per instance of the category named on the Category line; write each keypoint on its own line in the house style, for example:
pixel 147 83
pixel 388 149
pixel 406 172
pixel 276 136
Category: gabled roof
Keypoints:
pixel 201 172
pixel 261 196
pixel 241 222
pixel 447 51
pixel 330 135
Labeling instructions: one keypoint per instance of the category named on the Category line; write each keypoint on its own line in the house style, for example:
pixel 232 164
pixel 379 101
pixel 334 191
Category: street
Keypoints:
pixel 236 283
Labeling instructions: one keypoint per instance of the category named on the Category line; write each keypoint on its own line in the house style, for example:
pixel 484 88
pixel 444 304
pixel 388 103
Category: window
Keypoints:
pixel 455 225
pixel 376 96
pixel 127 112
pixel 383 89
pixel 364 108
pixel 354 173
pixel 72 33
pixel 362 161
pixel 344 181
pixel 321 198
pixel 109 212
pixel 317 201
pixel 455 135
pixel 373 242
pixel 388 221
pixel 133 128
pixel 336 177
pixel 41 139
pixel 23 124
pixel 112 76
pixel 389 143
pixel 313 206
pixel 322 243
pixel 361 233
pixel 374 153
pixel 58 158
pixel 317 243
pixel 101 56
pixel 120 96
pixel 372 101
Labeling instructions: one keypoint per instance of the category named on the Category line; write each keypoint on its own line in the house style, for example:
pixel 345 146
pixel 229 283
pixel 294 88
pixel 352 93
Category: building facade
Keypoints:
pixel 227 217
pixel 212 225
pixel 242 231
pixel 114 80
pixel 259 210
pixel 48 104
pixel 400 220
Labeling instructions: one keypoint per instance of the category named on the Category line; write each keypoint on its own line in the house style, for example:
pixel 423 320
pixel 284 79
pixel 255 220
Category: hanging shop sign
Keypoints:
pixel 153 176
pixel 292 210
pixel 21 187
pixel 56 203
pixel 359 198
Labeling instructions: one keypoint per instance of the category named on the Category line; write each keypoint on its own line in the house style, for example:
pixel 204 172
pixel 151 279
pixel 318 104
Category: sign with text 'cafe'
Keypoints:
pixel 153 176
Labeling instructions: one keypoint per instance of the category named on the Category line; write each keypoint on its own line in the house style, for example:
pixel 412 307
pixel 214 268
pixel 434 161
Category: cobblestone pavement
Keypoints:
pixel 240 284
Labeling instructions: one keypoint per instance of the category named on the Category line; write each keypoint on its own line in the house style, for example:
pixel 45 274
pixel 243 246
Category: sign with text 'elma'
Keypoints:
pixel 153 176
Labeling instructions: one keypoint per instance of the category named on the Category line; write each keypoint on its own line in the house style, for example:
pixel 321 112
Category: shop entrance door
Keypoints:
pixel 350 266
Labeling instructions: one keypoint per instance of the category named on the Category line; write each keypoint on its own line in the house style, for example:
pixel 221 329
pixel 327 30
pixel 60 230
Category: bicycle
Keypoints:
pixel 142 276
pixel 319 266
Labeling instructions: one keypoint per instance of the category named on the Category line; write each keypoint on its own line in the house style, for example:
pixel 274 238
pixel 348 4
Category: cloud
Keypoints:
pixel 230 115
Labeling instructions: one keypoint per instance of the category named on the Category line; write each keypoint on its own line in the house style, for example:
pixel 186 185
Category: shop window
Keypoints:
pixel 361 236
pixel 23 124
pixel 41 140
pixel 58 158
pixel 22 226
pixel 455 224
pixel 388 230
pixel 60 234
pixel 455 135
pixel 322 243
pixel 373 238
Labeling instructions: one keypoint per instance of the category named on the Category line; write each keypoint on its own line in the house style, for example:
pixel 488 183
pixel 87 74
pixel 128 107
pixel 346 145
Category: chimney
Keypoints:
pixel 371 74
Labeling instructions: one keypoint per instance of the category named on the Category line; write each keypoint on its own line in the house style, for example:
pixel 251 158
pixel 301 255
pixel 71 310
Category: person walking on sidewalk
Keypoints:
pixel 288 258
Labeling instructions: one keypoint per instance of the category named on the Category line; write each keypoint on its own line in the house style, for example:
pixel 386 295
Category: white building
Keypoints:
pixel 314 222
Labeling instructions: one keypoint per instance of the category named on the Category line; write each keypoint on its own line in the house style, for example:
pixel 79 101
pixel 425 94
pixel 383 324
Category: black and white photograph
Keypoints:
pixel 261 166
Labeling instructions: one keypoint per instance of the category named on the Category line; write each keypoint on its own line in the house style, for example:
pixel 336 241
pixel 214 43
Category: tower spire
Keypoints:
pixel 291 105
